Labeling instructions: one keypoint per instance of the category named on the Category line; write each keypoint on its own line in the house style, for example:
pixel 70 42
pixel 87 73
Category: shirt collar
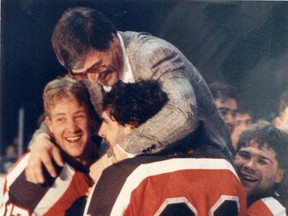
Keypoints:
pixel 127 75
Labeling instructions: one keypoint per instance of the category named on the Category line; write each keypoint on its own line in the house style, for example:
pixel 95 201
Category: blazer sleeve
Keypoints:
pixel 190 107
pixel 178 117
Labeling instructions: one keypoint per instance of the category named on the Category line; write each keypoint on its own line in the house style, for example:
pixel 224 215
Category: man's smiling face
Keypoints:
pixel 257 168
pixel 70 124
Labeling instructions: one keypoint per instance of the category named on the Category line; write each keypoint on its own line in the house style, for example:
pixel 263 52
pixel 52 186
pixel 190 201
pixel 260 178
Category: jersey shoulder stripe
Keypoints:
pixel 268 206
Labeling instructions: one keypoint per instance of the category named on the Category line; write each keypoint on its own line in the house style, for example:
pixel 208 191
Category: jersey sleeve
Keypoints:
pixel 57 196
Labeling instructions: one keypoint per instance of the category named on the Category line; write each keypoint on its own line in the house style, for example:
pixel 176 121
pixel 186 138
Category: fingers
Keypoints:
pixel 46 160
pixel 57 156
pixel 33 171
pixel 42 154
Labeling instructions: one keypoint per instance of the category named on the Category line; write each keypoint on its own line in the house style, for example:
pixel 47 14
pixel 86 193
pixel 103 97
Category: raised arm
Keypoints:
pixel 176 120
pixel 179 118
pixel 190 102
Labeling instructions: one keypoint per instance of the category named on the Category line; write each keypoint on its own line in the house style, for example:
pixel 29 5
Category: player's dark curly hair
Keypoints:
pixel 263 133
pixel 134 103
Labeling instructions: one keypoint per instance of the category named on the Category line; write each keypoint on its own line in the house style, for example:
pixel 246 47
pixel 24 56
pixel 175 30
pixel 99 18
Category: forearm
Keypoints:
pixel 168 126
pixel 173 122
pixel 42 130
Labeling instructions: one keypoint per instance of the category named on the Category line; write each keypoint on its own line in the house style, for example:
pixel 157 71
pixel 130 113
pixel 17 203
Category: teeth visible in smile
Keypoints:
pixel 73 138
pixel 248 178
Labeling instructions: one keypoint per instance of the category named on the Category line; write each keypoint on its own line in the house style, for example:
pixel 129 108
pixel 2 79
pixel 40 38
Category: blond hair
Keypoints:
pixel 66 87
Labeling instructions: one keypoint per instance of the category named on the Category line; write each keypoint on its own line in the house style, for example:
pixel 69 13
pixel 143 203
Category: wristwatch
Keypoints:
pixel 111 155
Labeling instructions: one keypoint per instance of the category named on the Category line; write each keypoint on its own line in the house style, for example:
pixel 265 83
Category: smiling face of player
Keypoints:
pixel 69 124
pixel 258 168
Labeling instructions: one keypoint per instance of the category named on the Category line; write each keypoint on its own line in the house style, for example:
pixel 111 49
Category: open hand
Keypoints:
pixel 43 151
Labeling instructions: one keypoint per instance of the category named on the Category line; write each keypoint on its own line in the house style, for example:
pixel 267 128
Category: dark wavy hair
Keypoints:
pixel 134 103
pixel 79 31
pixel 263 133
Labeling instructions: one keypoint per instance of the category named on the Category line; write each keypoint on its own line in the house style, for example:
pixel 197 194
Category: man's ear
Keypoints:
pixel 279 175
pixel 49 124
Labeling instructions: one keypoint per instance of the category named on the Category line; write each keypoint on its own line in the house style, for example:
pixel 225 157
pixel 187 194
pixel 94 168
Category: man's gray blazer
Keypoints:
pixel 190 103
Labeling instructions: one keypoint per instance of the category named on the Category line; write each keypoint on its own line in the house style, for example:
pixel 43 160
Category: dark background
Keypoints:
pixel 241 43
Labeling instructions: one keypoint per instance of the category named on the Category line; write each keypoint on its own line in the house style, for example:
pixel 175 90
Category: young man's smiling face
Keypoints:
pixel 69 124
pixel 257 168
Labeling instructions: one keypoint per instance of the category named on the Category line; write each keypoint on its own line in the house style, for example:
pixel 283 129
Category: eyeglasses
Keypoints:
pixel 102 72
